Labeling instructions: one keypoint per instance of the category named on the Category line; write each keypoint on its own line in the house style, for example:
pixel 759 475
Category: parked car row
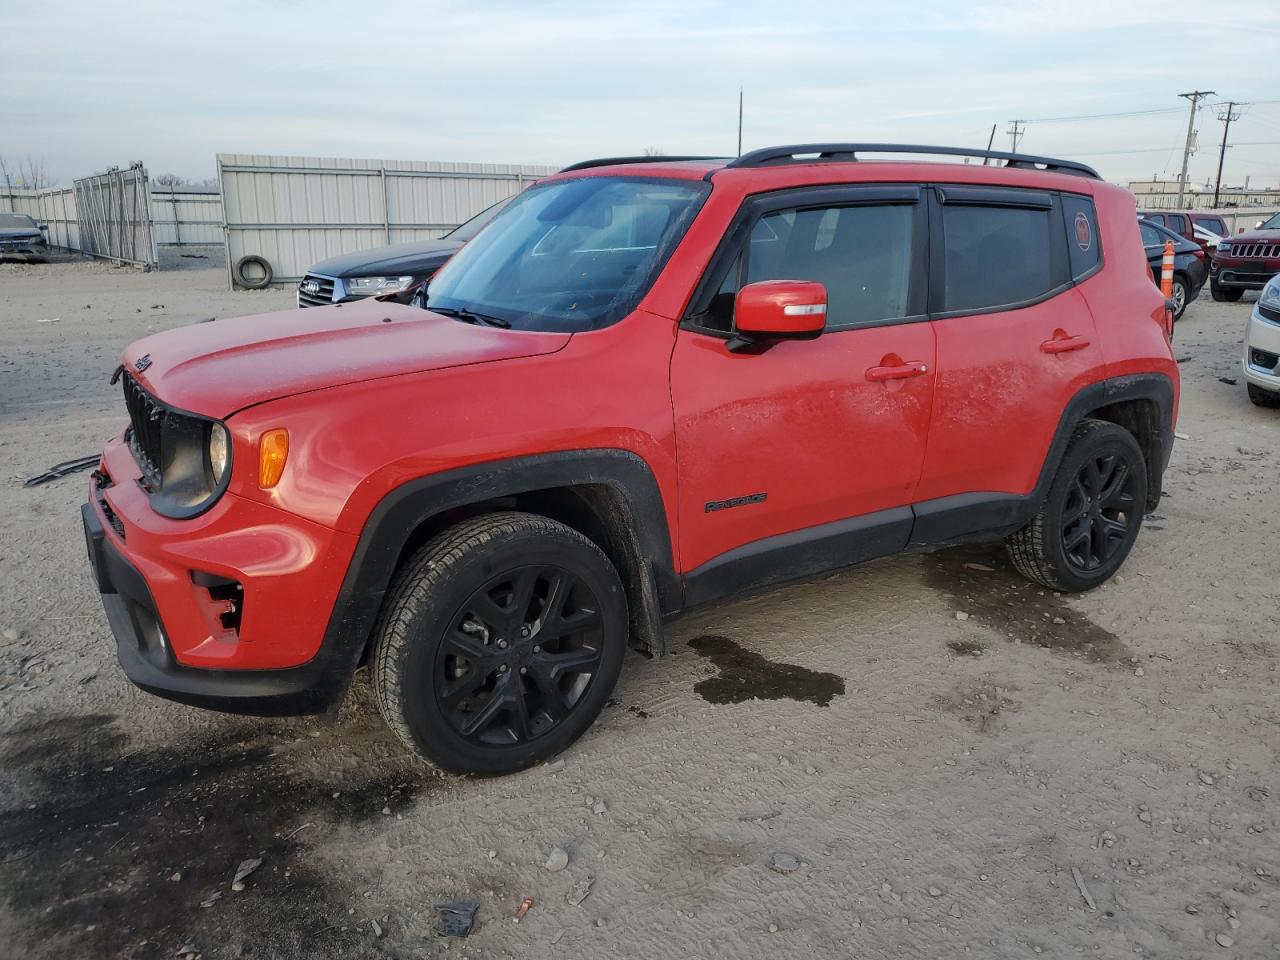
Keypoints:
pixel 1189 267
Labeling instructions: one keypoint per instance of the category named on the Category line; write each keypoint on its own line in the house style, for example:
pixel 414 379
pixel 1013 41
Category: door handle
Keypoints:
pixel 899 371
pixel 1061 343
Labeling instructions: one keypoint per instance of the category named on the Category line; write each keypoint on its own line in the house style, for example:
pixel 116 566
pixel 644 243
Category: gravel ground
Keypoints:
pixel 923 757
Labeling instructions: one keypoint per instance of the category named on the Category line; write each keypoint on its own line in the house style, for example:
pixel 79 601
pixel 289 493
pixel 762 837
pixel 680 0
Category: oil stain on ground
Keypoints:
pixel 130 854
pixel 979 582
pixel 748 676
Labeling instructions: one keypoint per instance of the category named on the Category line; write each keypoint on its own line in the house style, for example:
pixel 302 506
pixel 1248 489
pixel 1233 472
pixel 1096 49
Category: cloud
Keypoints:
pixel 550 82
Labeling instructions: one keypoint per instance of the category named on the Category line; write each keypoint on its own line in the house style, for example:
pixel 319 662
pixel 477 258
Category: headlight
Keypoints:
pixel 219 453
pixel 1224 247
pixel 1269 298
pixel 373 286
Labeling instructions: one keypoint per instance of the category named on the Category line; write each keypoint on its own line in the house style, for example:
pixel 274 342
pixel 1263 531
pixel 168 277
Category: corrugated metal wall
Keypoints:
pixel 179 219
pixel 294 211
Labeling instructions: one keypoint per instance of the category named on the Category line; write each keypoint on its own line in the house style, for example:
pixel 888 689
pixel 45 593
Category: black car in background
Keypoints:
pixel 395 270
pixel 1189 268
pixel 20 236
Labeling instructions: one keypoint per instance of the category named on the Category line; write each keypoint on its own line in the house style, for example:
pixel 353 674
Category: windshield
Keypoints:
pixel 1272 224
pixel 570 255
pixel 477 223
pixel 16 221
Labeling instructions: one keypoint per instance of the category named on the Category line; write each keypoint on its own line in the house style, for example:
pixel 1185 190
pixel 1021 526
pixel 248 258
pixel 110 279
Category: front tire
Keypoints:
pixel 1263 398
pixel 500 641
pixel 1225 294
pixel 1091 516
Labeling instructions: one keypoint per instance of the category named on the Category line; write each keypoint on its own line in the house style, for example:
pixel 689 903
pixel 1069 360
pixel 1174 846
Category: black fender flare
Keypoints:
pixel 393 521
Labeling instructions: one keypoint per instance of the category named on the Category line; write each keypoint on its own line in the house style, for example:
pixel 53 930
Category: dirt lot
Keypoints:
pixel 847 768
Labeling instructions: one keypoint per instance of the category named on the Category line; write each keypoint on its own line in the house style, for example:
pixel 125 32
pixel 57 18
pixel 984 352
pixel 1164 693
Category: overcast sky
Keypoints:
pixel 88 84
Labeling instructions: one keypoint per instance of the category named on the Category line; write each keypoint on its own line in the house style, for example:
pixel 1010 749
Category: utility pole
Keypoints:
pixel 1226 119
pixel 1195 97
pixel 1015 132
pixel 739 121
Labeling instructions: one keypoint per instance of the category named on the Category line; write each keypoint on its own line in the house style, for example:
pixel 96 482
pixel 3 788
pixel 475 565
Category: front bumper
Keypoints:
pixel 1261 359
pixel 28 249
pixel 270 651
pixel 1243 273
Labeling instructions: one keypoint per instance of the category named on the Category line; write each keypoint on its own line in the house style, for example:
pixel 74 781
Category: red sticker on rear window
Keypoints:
pixel 1084 232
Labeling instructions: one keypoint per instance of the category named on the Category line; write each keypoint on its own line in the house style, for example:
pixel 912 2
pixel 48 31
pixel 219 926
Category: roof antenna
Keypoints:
pixel 739 121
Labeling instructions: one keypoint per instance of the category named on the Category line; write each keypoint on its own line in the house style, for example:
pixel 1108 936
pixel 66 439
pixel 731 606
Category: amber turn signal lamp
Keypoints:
pixel 273 451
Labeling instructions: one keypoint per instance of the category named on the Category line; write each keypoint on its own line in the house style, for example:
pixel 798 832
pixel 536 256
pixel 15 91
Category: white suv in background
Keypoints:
pixel 1262 347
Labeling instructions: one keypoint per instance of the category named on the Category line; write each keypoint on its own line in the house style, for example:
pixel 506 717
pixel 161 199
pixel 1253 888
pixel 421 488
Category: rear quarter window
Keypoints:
pixel 1083 243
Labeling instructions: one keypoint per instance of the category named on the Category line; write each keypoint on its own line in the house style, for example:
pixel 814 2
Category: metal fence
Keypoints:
pixel 114 209
pixel 294 211
pixel 184 219
pixel 178 218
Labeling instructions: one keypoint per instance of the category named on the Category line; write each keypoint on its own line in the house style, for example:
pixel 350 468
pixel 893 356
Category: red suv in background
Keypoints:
pixel 649 385
pixel 1246 262
pixel 1183 223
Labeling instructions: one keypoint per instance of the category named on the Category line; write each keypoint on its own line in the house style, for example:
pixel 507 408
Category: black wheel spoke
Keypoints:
pixel 481 719
pixel 1115 485
pixel 1081 535
pixel 557 665
pixel 520 655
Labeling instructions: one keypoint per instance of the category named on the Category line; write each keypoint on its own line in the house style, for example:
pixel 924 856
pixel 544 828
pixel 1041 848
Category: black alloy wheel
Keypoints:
pixel 519 656
pixel 499 643
pixel 1100 505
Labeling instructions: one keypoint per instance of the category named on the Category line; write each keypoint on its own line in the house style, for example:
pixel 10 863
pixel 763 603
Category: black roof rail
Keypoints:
pixel 834 152
pixel 612 161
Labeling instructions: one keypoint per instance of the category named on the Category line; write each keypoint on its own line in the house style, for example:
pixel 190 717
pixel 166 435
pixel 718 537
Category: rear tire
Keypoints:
pixel 1263 398
pixel 499 643
pixel 1091 516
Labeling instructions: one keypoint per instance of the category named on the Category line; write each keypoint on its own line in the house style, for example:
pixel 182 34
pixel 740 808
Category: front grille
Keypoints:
pixel 146 429
pixel 320 296
pixel 1255 250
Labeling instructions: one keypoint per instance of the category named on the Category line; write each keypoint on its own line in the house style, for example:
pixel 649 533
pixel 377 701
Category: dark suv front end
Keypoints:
pixel 20 236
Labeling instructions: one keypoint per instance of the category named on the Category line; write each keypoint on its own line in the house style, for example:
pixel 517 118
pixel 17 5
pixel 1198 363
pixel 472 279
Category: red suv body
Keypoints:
pixel 646 387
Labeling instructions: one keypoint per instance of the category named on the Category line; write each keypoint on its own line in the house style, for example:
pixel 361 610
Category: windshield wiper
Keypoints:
pixel 470 316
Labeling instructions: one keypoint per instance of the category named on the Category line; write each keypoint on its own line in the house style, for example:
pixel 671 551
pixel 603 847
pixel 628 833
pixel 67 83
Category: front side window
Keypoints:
pixel 570 255
pixel 861 254
pixel 1214 225
pixel 997 256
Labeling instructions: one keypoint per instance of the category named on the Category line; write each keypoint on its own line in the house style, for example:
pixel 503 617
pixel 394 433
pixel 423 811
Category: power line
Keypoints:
pixel 1195 97
pixel 1104 116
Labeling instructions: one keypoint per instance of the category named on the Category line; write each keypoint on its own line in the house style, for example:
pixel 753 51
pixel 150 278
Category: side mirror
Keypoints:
pixel 778 310
pixel 43 226
pixel 1256 226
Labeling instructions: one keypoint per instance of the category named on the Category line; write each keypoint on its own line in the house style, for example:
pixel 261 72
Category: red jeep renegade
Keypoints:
pixel 650 384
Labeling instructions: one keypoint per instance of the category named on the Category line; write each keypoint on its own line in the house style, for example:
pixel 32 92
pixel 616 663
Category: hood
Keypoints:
pixel 1256 236
pixel 222 366
pixel 20 233
pixel 400 259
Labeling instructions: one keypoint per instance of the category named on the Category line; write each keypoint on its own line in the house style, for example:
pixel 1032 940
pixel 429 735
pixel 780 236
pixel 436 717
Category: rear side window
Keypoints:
pixel 1150 237
pixel 1213 224
pixel 1083 247
pixel 999 256
pixel 1177 223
